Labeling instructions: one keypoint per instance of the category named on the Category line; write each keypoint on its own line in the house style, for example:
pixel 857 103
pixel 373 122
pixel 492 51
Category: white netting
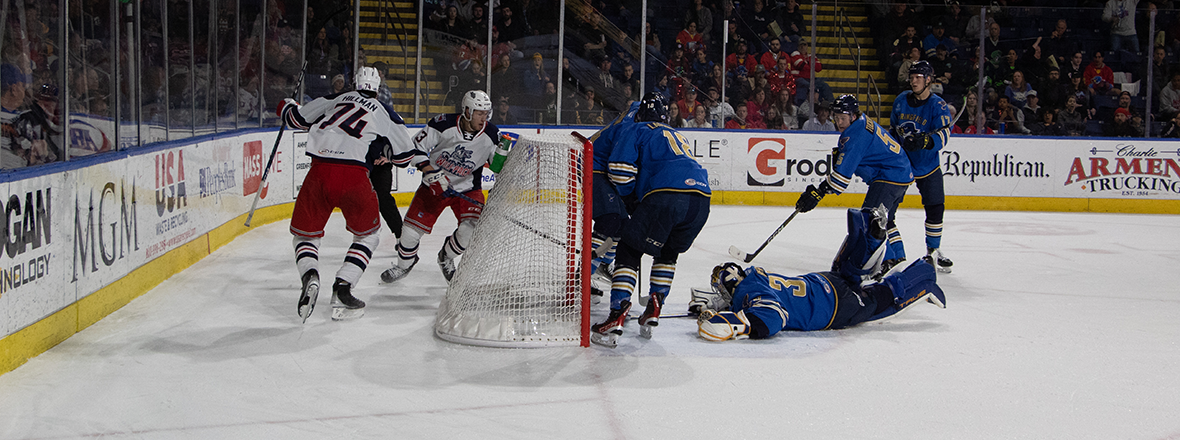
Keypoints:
pixel 519 284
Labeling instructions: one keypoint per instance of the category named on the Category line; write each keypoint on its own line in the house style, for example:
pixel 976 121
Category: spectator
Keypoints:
pixel 1159 70
pixel 739 121
pixel 477 25
pixel 893 24
pixel 781 78
pixel 970 113
pixel 769 59
pixel 1001 73
pixel 589 111
pixel 466 9
pixel 12 101
pixel 591 40
pixel 740 58
pixel 787 109
pixel 533 80
pixel 1121 125
pixel 790 20
pixel 338 84
pixel 719 111
pixel 1046 125
pixel 1018 90
pixel 1073 117
pixel 757 19
pixel 653 39
pixel 1034 65
pixel 715 79
pixel 1060 45
pixel 801 64
pixel 908 41
pixel 903 71
pixel 821 121
pixel 503 115
pixel 1172 129
pixel 34 132
pixel 1053 91
pixel 674 118
pixel 956 20
pixel 1098 77
pixel 700 118
pixel 1081 93
pixel 605 79
pixel 756 106
pixel 1125 103
pixel 689 104
pixel 450 22
pixel 502 46
pixel 1121 16
pixel 703 16
pixel 680 68
pixel 505 79
pixel 689 38
pixel 938 36
pixel 735 38
pixel 773 119
pixel 701 68
pixel 1170 98
pixel 510 28
pixel 1007 118
pixel 740 88
pixel 1032 108
pixel 993 48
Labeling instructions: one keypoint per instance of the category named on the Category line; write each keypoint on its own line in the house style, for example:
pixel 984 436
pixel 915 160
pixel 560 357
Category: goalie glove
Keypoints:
pixel 811 197
pixel 917 141
pixel 284 104
pixel 437 181
pixel 723 326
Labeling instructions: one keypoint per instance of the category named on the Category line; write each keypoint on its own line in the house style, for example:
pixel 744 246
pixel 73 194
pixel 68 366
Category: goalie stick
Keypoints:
pixel 746 258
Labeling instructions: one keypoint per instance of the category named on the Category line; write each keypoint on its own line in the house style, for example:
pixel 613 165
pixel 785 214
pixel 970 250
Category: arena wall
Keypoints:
pixel 84 238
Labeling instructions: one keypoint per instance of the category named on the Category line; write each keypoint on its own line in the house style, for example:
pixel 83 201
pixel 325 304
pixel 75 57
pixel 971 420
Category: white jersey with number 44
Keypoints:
pixel 461 155
pixel 353 128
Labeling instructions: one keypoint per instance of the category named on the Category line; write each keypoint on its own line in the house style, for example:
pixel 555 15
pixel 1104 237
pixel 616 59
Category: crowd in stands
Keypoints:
pixel 1045 71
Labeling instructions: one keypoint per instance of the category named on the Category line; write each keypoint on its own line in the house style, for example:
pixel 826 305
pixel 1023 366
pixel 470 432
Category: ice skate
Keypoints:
pixel 309 293
pixel 600 282
pixel 396 272
pixel 607 333
pixel 344 305
pixel 446 264
pixel 888 267
pixel 940 261
pixel 651 315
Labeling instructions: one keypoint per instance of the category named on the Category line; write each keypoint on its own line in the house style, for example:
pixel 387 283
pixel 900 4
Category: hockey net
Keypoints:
pixel 524 279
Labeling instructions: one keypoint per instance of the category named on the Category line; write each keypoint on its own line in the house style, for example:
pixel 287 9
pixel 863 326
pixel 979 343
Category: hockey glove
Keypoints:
pixel 288 102
pixel 811 197
pixel 437 181
pixel 918 141
pixel 723 326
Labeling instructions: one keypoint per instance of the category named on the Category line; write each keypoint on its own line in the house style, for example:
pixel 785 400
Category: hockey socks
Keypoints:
pixel 623 286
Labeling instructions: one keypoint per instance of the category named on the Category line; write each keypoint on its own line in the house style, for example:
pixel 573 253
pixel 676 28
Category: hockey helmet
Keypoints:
pixel 922 68
pixel 476 100
pixel 367 79
pixel 652 108
pixel 845 104
pixel 726 278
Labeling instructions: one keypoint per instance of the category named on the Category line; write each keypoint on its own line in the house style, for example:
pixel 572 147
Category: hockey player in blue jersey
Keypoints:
pixel 922 123
pixel 867 151
pixel 651 162
pixel 610 212
pixel 753 303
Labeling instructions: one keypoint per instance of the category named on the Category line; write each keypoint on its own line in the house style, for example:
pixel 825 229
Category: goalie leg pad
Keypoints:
pixel 723 326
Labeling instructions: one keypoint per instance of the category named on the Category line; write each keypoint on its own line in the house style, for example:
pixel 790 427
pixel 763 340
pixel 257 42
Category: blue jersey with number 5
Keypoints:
pixel 805 302
pixel 650 157
pixel 867 151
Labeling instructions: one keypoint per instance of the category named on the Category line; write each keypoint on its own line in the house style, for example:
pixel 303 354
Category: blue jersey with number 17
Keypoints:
pixel 931 116
pixel 866 150
pixel 650 157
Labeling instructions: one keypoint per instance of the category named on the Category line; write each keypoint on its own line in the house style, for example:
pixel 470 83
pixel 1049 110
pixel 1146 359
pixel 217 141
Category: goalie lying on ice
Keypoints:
pixel 754 303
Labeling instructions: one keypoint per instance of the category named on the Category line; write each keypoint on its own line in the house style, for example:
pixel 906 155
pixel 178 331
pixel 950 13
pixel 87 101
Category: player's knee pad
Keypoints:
pixel 463 233
pixel 411 236
pixel 368 242
pixel 608 225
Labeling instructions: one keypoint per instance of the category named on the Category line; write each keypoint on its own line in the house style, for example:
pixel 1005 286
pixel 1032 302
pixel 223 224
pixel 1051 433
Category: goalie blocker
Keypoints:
pixel 765 303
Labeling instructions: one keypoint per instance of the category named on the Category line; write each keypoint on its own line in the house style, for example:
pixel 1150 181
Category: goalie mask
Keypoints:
pixel 367 79
pixel 476 100
pixel 726 278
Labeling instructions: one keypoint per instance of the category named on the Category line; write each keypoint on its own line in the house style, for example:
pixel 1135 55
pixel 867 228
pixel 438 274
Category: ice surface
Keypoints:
pixel 1058 325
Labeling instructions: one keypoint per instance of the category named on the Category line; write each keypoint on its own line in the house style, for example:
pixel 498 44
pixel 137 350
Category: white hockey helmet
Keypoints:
pixel 476 100
pixel 368 78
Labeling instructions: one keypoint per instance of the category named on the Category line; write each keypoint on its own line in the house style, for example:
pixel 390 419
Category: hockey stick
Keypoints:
pixel 453 193
pixel 274 150
pixel 746 258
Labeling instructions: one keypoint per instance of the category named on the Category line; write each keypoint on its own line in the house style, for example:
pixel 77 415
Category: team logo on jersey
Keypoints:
pixel 765 159
pixel 457 162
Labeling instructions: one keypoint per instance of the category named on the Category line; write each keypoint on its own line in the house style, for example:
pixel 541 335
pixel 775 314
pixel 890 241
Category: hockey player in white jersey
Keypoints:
pixel 460 146
pixel 348 132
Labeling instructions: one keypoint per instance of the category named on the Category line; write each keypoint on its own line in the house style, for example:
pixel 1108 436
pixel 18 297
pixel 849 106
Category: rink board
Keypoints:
pixel 84 239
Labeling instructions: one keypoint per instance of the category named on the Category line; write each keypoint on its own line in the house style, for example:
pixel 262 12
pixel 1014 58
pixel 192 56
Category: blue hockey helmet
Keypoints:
pixel 845 104
pixel 652 108
pixel 922 68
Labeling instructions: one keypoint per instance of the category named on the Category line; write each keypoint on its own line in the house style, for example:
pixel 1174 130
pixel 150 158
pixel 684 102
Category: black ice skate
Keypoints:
pixel 446 263
pixel 396 272
pixel 309 293
pixel 344 305
pixel 940 261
